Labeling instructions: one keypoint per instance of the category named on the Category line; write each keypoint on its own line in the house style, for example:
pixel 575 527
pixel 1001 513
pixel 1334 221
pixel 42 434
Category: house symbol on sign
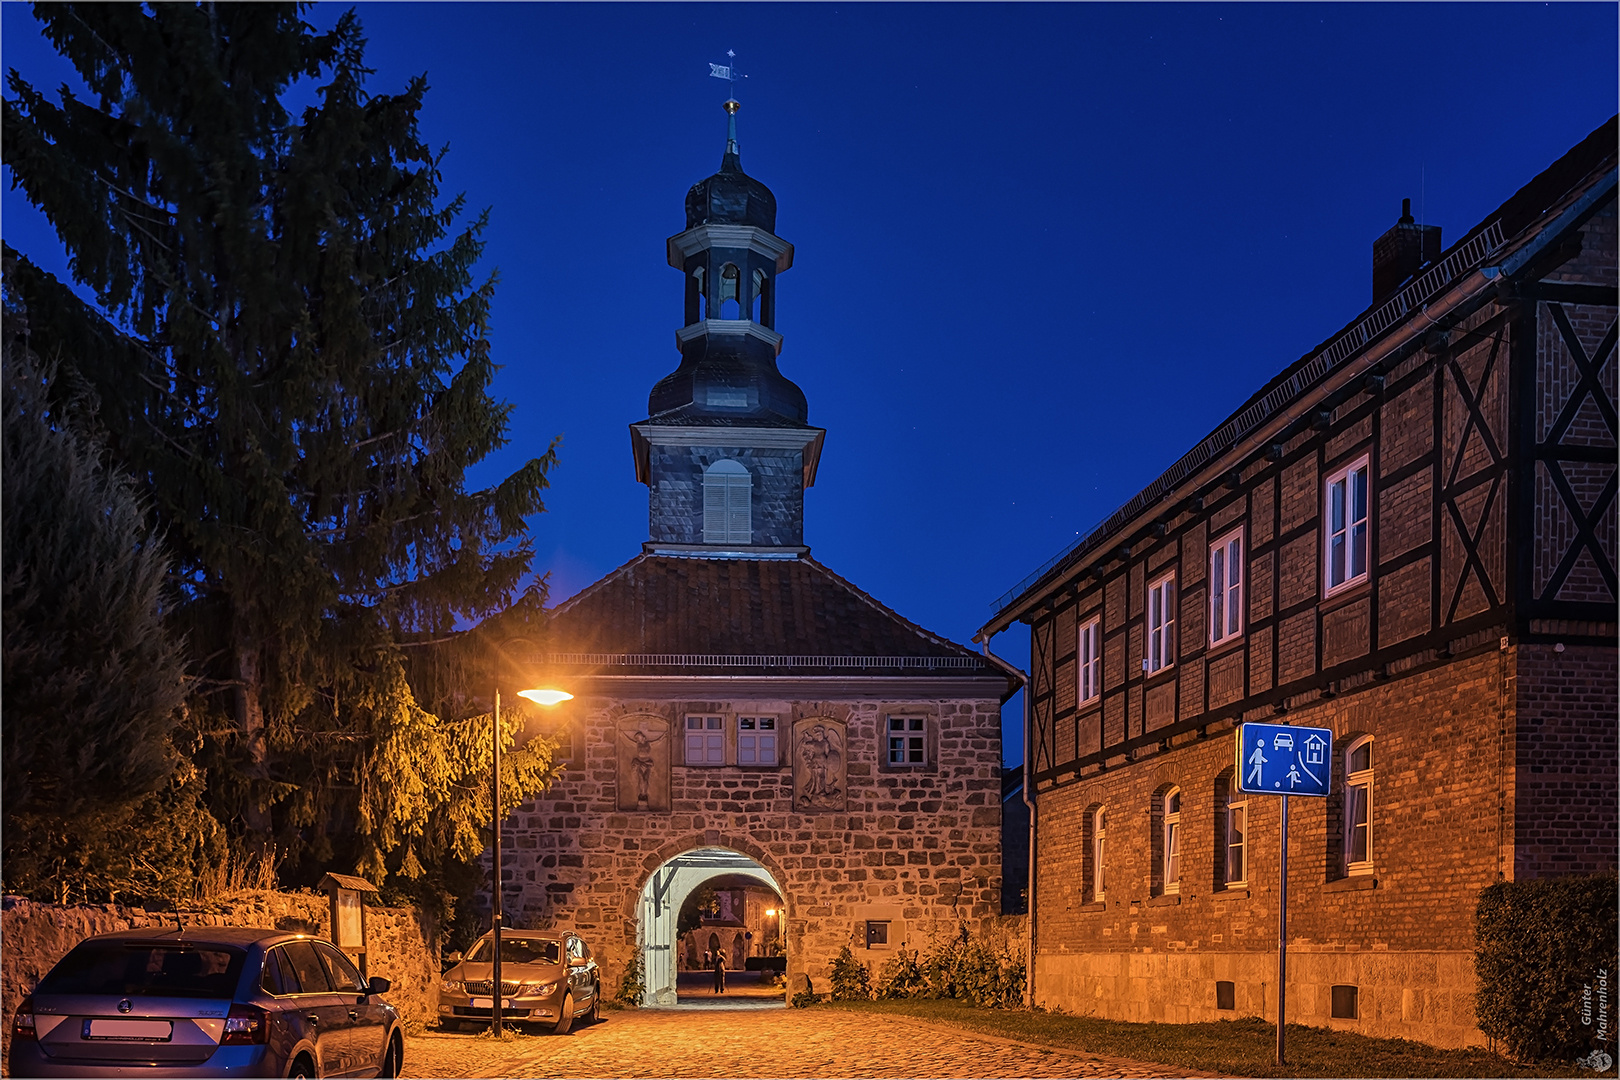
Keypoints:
pixel 1313 750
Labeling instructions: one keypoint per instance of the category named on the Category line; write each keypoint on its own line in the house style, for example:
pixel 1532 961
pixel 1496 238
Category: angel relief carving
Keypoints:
pixel 818 765
pixel 643 752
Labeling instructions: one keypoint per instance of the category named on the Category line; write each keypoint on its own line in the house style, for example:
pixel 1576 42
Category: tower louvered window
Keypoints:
pixel 727 504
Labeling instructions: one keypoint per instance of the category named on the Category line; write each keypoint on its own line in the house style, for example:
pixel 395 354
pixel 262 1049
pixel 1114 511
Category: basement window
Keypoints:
pixel 877 933
pixel 1225 996
pixel 1346 1003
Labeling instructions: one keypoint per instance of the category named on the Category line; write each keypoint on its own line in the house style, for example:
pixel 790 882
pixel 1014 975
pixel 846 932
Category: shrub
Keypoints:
pixel 806 997
pixel 850 979
pixel 1540 948
pixel 633 983
pixel 900 977
pixel 973 970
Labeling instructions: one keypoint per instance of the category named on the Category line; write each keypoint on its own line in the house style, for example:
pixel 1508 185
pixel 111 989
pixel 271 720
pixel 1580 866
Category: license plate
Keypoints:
pixel 129 1030
pixel 489 1003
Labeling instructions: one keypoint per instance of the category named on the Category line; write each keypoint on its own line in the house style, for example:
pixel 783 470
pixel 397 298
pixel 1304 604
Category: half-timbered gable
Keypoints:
pixel 1407 536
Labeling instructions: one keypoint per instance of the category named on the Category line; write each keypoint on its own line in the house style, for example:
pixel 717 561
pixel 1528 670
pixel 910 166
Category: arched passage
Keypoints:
pixel 667 890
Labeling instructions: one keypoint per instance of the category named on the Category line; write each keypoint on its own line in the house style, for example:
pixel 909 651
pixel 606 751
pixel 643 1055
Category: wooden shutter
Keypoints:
pixel 714 507
pixel 739 509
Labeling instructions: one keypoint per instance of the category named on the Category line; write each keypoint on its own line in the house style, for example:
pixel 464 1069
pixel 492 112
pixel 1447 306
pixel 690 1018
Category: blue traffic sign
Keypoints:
pixel 1276 759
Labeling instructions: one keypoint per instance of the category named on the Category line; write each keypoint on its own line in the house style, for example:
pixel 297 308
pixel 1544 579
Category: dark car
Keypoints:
pixel 546 979
pixel 206 1001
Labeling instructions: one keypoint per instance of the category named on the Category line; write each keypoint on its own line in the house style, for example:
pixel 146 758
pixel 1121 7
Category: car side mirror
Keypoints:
pixel 577 961
pixel 377 985
pixel 451 960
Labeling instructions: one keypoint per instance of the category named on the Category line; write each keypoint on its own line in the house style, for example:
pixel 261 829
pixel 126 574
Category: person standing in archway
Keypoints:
pixel 719 971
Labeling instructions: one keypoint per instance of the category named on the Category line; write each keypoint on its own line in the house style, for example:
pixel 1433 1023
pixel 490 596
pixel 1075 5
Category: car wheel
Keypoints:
pixel 393 1057
pixel 565 1019
pixel 301 1069
pixel 595 1014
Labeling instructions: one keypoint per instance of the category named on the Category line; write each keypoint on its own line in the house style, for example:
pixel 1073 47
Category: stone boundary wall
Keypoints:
pixel 403 942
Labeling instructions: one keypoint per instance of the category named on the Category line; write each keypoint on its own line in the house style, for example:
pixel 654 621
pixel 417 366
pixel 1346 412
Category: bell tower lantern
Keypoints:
pixel 726 450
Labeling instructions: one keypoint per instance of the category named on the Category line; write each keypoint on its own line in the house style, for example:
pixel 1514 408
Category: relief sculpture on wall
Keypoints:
pixel 818 765
pixel 643 752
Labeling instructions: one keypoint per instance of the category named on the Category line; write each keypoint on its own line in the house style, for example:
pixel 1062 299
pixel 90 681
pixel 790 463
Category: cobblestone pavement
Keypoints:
pixel 755 1039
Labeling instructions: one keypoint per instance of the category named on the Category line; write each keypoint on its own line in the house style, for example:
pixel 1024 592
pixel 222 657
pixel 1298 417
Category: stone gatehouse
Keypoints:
pixel 743 716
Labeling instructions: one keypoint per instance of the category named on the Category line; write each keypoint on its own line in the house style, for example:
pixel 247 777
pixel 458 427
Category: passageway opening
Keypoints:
pixel 703 903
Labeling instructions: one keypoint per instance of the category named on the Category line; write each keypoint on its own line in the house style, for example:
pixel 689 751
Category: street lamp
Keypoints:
pixel 540 696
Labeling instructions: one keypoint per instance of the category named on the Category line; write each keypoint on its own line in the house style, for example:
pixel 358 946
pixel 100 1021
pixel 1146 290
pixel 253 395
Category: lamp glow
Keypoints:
pixel 545 696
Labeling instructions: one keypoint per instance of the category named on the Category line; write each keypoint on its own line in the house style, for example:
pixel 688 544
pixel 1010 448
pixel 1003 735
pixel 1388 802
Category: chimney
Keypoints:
pixel 1402 253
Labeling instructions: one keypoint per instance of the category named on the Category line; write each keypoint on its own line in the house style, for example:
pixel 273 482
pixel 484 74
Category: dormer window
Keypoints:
pixel 727 504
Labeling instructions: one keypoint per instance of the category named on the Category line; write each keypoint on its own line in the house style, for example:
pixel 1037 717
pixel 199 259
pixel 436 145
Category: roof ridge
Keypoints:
pixel 886 610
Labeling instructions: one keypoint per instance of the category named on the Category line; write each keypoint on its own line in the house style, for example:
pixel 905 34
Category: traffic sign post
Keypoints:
pixel 1278 759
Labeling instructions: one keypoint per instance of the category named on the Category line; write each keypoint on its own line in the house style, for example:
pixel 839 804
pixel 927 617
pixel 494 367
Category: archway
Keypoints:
pixel 666 893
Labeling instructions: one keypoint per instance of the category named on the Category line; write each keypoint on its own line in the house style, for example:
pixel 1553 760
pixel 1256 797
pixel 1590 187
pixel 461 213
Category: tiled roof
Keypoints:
pixel 736 615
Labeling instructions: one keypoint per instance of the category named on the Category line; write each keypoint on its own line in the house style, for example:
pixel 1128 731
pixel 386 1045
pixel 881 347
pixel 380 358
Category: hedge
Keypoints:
pixel 1545 955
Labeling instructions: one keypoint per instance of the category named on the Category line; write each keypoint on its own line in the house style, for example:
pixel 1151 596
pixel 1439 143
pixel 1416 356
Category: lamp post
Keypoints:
pixel 539 697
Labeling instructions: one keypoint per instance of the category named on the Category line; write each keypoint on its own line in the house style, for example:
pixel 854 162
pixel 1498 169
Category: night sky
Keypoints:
pixel 1040 250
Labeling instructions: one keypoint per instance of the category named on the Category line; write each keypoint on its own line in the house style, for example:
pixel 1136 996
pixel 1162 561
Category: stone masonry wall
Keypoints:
pixel 675 501
pixel 1403 935
pixel 403 946
pixel 920 847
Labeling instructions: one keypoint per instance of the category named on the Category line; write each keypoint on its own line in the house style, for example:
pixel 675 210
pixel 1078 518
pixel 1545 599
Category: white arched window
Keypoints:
pixel 1099 855
pixel 727 504
pixel 1172 841
pixel 1358 785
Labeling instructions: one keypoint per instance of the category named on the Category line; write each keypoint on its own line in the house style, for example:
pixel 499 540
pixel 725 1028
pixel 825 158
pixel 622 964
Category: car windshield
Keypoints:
pixel 517 950
pixel 131 969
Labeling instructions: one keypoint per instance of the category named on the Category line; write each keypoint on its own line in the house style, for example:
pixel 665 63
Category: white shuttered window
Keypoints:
pixel 727 504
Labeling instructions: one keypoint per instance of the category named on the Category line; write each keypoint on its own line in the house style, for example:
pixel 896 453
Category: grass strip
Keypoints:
pixel 1245 1047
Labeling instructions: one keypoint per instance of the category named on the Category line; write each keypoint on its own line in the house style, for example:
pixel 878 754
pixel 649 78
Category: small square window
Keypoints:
pixel 908 743
pixel 756 740
pixel 1346 1002
pixel 877 932
pixel 1225 996
pixel 705 740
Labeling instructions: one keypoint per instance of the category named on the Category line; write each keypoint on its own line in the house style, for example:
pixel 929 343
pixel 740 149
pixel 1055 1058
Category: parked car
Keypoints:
pixel 546 980
pixel 206 1001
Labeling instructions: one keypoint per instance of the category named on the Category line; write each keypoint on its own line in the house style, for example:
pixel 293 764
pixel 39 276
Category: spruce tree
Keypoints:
pixel 289 347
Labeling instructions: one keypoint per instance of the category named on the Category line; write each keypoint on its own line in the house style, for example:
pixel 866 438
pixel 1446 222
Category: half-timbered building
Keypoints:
pixel 1407 536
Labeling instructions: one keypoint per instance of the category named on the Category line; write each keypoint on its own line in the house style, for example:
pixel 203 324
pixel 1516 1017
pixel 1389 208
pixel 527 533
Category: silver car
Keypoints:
pixel 206 1001
pixel 546 979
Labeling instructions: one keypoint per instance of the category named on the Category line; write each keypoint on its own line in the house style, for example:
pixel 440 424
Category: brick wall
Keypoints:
pixel 1567 761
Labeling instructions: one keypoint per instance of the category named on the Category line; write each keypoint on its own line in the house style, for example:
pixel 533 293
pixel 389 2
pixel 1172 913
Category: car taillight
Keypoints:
pixel 246 1025
pixel 22 1024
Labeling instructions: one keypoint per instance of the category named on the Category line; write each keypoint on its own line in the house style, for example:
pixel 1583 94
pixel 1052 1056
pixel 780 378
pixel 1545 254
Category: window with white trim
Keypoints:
pixel 1226 587
pixel 1344 516
pixel 756 740
pixel 908 743
pixel 1090 661
pixel 1236 828
pixel 728 493
pixel 1172 842
pixel 705 740
pixel 1099 855
pixel 1358 785
pixel 1161 625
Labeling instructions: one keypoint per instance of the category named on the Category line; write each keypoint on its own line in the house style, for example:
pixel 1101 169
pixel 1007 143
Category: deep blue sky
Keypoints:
pixel 1040 250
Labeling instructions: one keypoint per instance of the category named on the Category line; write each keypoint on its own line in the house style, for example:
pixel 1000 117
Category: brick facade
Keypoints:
pixel 1477 650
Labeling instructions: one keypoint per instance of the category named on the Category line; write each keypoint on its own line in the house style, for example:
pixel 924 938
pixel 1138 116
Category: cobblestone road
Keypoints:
pixel 742 1039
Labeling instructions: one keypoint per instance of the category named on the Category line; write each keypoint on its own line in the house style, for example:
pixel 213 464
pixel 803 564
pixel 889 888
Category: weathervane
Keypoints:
pixel 728 71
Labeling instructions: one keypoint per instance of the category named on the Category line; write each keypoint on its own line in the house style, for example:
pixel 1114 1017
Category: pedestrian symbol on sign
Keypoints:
pixel 1258 759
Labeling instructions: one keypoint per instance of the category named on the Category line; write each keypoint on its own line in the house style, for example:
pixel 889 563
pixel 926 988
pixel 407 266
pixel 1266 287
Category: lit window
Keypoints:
pixel 1358 784
pixel 756 740
pixel 1226 588
pixel 705 741
pixel 1090 649
pixel 1161 643
pixel 1237 827
pixel 1172 841
pixel 1099 852
pixel 727 504
pixel 1345 549
pixel 907 745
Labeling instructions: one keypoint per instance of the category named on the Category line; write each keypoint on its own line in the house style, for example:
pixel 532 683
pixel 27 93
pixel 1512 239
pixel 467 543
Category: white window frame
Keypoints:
pixel 1235 826
pixel 906 736
pixel 1225 593
pixel 706 742
pixel 1171 867
pixel 1099 854
pixel 728 511
pixel 1358 808
pixel 1088 661
pixel 758 740
pixel 1159 649
pixel 1347 529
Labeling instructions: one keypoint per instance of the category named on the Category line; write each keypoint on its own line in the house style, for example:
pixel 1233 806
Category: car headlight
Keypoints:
pixel 451 986
pixel 536 989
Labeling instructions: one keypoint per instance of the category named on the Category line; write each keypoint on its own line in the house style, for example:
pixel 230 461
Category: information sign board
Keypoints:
pixel 1279 759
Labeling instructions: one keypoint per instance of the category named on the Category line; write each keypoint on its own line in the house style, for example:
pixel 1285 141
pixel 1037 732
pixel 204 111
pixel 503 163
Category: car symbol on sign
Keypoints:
pixel 1283 741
